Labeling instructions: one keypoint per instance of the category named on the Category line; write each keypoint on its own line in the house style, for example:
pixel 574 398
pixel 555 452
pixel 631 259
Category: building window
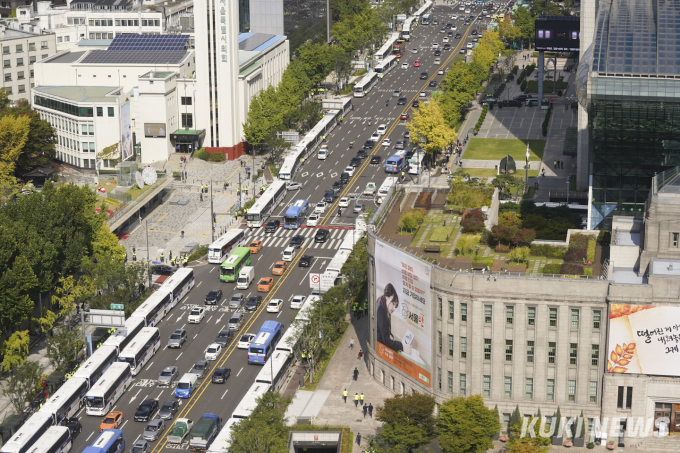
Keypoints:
pixel 84 129
pixel 110 111
pixel 439 341
pixel 551 352
pixel 629 397
pixel 571 397
pixel 508 350
pixel 31 46
pixel 463 385
pixel 439 378
pixel 463 347
pixel 506 420
pixel 5 50
pixel 100 111
pixel 573 351
pixel 574 319
pixel 20 61
pixel 20 75
pixel 91 147
pixel 509 314
pixel 187 120
pixel 675 240
pixel 488 311
pixel 529 389
pixel 531 316
pixel 6 64
pixel 91 128
pixel 596 319
pixel 186 100
pixel 86 146
pixel 451 310
pixel 486 386
pixel 31 60
pixel 450 345
pixel 463 312
pixel 439 305
pixel 593 392
pixel 487 349
pixel 507 387
pixel 450 379
pixel 22 88
pixel 43 44
pixel 43 56
pixel 550 390
pixel 530 351
pixel 8 77
pixel 594 354
pixel 553 317
pixel 19 48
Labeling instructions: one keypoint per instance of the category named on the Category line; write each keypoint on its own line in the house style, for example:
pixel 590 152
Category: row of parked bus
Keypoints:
pixel 103 377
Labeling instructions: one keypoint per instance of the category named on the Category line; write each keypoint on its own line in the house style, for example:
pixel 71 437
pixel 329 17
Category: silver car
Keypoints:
pixel 168 375
pixel 168 409
pixel 236 301
pixel 153 430
pixel 235 321
pixel 200 368
pixel 177 338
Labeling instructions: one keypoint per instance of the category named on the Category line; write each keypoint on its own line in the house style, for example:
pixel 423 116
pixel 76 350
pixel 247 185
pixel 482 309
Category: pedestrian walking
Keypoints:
pixel 361 354
pixel 351 343
pixel 370 410
pixel 555 164
pixel 366 307
pixel 358 438
pixel 134 256
pixel 344 395
pixel 356 373
pixel 365 410
pixel 361 398
pixel 162 258
pixel 356 400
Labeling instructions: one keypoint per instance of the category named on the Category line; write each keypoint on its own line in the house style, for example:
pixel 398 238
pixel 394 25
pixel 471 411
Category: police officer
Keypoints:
pixel 361 398
pixel 356 400
pixel 170 256
pixel 134 256
pixel 366 308
pixel 344 395
pixel 162 258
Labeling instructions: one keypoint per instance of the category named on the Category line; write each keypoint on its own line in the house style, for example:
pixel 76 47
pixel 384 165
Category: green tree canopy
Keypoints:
pixel 466 425
pixel 263 431
pixel 408 421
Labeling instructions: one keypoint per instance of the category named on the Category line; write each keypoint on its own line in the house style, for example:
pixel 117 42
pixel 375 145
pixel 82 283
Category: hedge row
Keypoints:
pixel 547 251
pixel 546 121
pixel 481 118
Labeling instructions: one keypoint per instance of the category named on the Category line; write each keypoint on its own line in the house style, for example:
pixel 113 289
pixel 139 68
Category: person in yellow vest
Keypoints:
pixel 344 395
pixel 356 400
pixel 361 398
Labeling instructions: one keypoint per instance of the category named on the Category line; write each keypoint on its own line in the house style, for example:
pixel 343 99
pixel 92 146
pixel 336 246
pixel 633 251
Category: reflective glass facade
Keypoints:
pixel 243 16
pixel 304 20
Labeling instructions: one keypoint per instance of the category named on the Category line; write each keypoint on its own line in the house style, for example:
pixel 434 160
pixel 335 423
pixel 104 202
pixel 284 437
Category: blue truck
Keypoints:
pixel 204 432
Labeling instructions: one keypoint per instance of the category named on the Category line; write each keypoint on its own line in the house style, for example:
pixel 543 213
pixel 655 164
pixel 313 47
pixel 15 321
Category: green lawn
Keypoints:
pixel 498 148
pixel 491 172
pixel 547 86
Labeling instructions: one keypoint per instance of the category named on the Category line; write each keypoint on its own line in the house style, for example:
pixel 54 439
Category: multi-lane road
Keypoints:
pixel 317 176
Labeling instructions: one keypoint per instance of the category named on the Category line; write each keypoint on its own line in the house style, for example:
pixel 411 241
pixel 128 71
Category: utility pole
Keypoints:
pixel 148 262
pixel 212 214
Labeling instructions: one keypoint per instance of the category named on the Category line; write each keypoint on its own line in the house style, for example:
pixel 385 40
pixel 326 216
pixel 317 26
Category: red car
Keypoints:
pixel 416 64
pixel 404 116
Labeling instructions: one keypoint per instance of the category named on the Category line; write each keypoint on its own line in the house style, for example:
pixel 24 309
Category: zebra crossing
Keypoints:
pixel 282 238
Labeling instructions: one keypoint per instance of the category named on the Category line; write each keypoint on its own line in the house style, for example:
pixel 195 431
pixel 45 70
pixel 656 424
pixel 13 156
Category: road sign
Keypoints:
pixel 314 279
pixel 117 307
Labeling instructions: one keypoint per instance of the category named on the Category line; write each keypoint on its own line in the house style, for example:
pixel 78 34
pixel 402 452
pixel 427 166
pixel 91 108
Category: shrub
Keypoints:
pixel 473 221
pixel 547 250
pixel 410 220
pixel 591 445
pixel 574 256
pixel 520 77
pixel 216 157
pixel 572 269
pixel 578 242
pixel 500 248
pixel 467 244
pixel 480 121
pixel 523 86
pixel 590 254
pixel 559 92
pixel 177 174
pixel 199 253
pixel 55 177
pixel 202 154
pixel 519 254
pixel 604 237
pixel 552 268
pixel 588 271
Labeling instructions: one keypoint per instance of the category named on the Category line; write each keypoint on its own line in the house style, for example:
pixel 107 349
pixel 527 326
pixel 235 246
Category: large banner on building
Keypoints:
pixel 644 339
pixel 403 312
pixel 125 131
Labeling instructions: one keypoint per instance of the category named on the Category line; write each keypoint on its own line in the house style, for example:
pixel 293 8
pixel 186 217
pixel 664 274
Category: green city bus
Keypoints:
pixel 232 266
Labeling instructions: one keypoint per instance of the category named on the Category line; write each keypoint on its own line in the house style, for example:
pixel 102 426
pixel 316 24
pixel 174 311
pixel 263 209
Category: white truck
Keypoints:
pixel 370 188
pixel 245 277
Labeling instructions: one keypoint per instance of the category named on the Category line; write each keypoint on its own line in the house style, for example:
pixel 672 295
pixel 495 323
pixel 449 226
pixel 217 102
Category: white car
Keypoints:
pixel 454 28
pixel 404 66
pixel 313 220
pixel 435 45
pixel 244 341
pixel 467 11
pixel 370 188
pixel 297 302
pixel 469 45
pixel 343 203
pixel 445 39
pixel 454 17
pixel 414 50
pixel 387 142
pixel 440 72
pixel 375 137
pixel 196 315
pixel 320 207
pixel 274 305
pixel 349 170
pixel 382 129
pixel 213 351
pixel 422 94
pixel 322 154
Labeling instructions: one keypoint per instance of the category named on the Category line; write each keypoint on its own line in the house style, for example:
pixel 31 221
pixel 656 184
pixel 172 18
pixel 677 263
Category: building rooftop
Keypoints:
pixel 8 34
pixel 67 57
pixel 94 42
pixel 156 75
pixel 661 267
pixel 134 57
pixel 80 93
pixel 257 42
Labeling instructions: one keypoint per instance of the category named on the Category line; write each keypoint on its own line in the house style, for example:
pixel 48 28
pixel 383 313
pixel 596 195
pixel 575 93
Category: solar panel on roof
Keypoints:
pixel 130 42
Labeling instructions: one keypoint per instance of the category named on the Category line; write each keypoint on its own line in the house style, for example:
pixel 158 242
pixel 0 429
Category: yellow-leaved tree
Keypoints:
pixel 428 125
pixel 13 134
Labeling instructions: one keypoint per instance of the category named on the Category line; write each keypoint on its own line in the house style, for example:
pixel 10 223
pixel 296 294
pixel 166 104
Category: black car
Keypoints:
pixel 449 25
pixel 272 226
pixel 369 144
pixel 474 32
pixel 407 134
pixel 433 84
pixel 423 75
pixel 447 46
pixel 457 36
pixel 337 187
pixel 168 409
pixel 415 104
pixel 253 303
pixel 522 97
pixel 213 297
pixel 437 53
pixel 375 160
pixel 321 236
pixel 74 426
pixel 401 101
pixel 146 411
pixel 449 34
pixel 297 240
pixel 355 162
pixel 220 375
pixel 409 154
pixel 344 177
pixel 162 269
pixel 306 261
pixel 362 154
pixel 223 337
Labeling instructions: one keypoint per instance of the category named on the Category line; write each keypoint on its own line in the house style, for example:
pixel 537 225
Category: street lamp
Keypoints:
pixel 568 181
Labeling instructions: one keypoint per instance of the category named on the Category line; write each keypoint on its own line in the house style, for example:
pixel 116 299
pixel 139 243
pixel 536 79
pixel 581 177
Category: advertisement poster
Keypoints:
pixel 644 339
pixel 154 130
pixel 125 131
pixel 403 312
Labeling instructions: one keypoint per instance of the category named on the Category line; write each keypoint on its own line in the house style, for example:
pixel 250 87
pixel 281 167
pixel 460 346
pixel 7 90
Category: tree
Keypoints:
pixel 16 283
pixel 317 61
pixel 466 425
pixel 112 280
pixel 22 385
pixel 265 118
pixel 408 421
pixel 46 322
pixel 264 430
pixel 40 146
pixel 13 135
pixel 355 268
pixel 15 349
pixel 515 426
pixel 526 445
pixel 428 124
pixel 70 292
pixel 524 21
pixel 63 347
pixel 508 32
pixel 557 422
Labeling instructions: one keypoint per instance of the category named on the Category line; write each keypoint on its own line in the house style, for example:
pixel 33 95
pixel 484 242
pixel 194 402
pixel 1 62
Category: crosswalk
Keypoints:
pixel 281 238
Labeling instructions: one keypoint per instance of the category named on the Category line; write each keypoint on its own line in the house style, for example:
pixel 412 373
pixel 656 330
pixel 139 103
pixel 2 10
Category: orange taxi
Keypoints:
pixel 255 246
pixel 112 421
pixel 279 267
pixel 265 284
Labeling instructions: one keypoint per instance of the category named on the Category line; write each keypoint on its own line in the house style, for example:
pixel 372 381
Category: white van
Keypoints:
pixel 245 277
pixel 288 254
